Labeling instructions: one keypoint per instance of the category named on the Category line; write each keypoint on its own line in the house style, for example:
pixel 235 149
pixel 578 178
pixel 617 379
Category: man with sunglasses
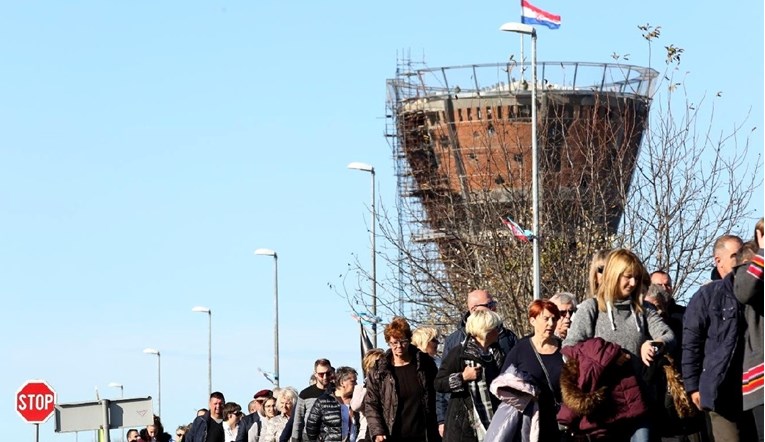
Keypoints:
pixel 566 303
pixel 477 300
pixel 323 374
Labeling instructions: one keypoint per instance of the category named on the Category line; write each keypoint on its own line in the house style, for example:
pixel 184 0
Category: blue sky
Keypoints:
pixel 147 148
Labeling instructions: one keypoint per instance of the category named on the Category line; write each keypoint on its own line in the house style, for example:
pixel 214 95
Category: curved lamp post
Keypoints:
pixel 120 386
pixel 269 252
pixel 154 351
pixel 364 167
pixel 200 309
pixel 523 29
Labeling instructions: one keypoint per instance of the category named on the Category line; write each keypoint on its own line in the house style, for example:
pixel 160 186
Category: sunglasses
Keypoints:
pixel 569 312
pixel 489 305
pixel 322 374
pixel 401 343
pixel 179 434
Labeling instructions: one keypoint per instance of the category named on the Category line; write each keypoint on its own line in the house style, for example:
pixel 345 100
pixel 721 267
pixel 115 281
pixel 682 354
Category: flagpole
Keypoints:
pixel 523 62
pixel 526 29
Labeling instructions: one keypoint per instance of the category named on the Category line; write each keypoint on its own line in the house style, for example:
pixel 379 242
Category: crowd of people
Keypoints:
pixel 626 363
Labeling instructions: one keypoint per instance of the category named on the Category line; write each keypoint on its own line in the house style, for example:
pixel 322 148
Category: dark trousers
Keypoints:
pixel 751 425
pixel 723 429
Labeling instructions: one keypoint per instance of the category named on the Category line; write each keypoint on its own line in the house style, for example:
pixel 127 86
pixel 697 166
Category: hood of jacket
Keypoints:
pixel 514 387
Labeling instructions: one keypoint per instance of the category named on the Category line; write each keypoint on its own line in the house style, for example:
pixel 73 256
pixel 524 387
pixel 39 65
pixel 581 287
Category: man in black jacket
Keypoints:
pixel 476 300
pixel 209 426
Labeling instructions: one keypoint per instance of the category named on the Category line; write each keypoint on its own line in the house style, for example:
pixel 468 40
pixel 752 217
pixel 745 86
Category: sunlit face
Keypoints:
pixel 287 407
pixel 269 408
pixel 346 386
pixel 398 347
pixel 725 257
pixel 432 347
pixel 323 375
pixel 544 324
pixel 627 284
pixel 481 300
pixel 567 311
pixel 663 280
pixel 216 408
pixel 151 430
pixel 132 436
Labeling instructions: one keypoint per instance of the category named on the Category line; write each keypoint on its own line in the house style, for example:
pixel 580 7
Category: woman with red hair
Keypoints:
pixel 400 404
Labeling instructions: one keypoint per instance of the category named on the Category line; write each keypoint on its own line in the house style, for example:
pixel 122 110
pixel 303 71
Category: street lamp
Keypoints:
pixel 154 351
pixel 269 252
pixel 122 395
pixel 369 168
pixel 199 309
pixel 523 29
pixel 120 386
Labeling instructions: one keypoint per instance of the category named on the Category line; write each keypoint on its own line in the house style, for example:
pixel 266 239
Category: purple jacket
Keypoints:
pixel 598 393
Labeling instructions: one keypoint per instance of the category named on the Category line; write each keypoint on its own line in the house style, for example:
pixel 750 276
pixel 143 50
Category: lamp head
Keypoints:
pixel 519 28
pixel 361 166
pixel 115 385
pixel 151 351
pixel 200 309
pixel 265 252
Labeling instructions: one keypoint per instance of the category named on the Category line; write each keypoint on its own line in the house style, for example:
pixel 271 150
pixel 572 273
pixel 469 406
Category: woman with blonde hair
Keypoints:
pixel 426 340
pixel 617 315
pixel 466 373
pixel 357 401
pixel 597 265
pixel 285 402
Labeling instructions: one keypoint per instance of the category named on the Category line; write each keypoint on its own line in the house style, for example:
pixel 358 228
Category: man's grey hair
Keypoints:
pixel 658 292
pixel 564 298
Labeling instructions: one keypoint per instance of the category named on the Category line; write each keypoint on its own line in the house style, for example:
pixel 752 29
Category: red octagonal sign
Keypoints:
pixel 35 401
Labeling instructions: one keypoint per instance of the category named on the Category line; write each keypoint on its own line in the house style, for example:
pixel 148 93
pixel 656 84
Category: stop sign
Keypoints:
pixel 35 401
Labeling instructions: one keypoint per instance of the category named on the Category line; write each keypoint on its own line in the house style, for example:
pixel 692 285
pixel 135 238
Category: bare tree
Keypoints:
pixel 464 164
pixel 693 182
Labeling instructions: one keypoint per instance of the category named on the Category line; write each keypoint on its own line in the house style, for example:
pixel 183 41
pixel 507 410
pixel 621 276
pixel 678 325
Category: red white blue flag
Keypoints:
pixel 518 232
pixel 531 15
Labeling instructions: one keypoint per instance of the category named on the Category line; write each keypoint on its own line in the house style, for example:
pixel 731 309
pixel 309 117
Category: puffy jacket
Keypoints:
pixel 712 331
pixel 507 340
pixel 600 396
pixel 518 413
pixel 325 420
pixel 306 398
pixel 381 401
pixel 459 415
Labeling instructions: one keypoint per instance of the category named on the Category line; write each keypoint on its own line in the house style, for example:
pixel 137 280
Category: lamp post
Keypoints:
pixel 269 252
pixel 523 29
pixel 369 168
pixel 199 309
pixel 122 396
pixel 154 351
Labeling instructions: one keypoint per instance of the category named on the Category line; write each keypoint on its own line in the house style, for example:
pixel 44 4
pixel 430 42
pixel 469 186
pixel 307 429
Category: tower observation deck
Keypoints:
pixel 461 140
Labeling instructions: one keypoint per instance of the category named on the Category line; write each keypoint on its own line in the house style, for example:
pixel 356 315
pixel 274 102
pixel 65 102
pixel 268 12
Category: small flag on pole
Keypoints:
pixel 531 15
pixel 518 231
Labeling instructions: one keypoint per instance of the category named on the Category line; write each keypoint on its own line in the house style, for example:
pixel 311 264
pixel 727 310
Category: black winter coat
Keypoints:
pixel 458 423
pixel 381 400
pixel 507 340
pixel 324 420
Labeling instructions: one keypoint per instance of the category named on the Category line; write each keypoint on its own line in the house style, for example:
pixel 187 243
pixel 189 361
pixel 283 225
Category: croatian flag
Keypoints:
pixel 518 232
pixel 532 15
